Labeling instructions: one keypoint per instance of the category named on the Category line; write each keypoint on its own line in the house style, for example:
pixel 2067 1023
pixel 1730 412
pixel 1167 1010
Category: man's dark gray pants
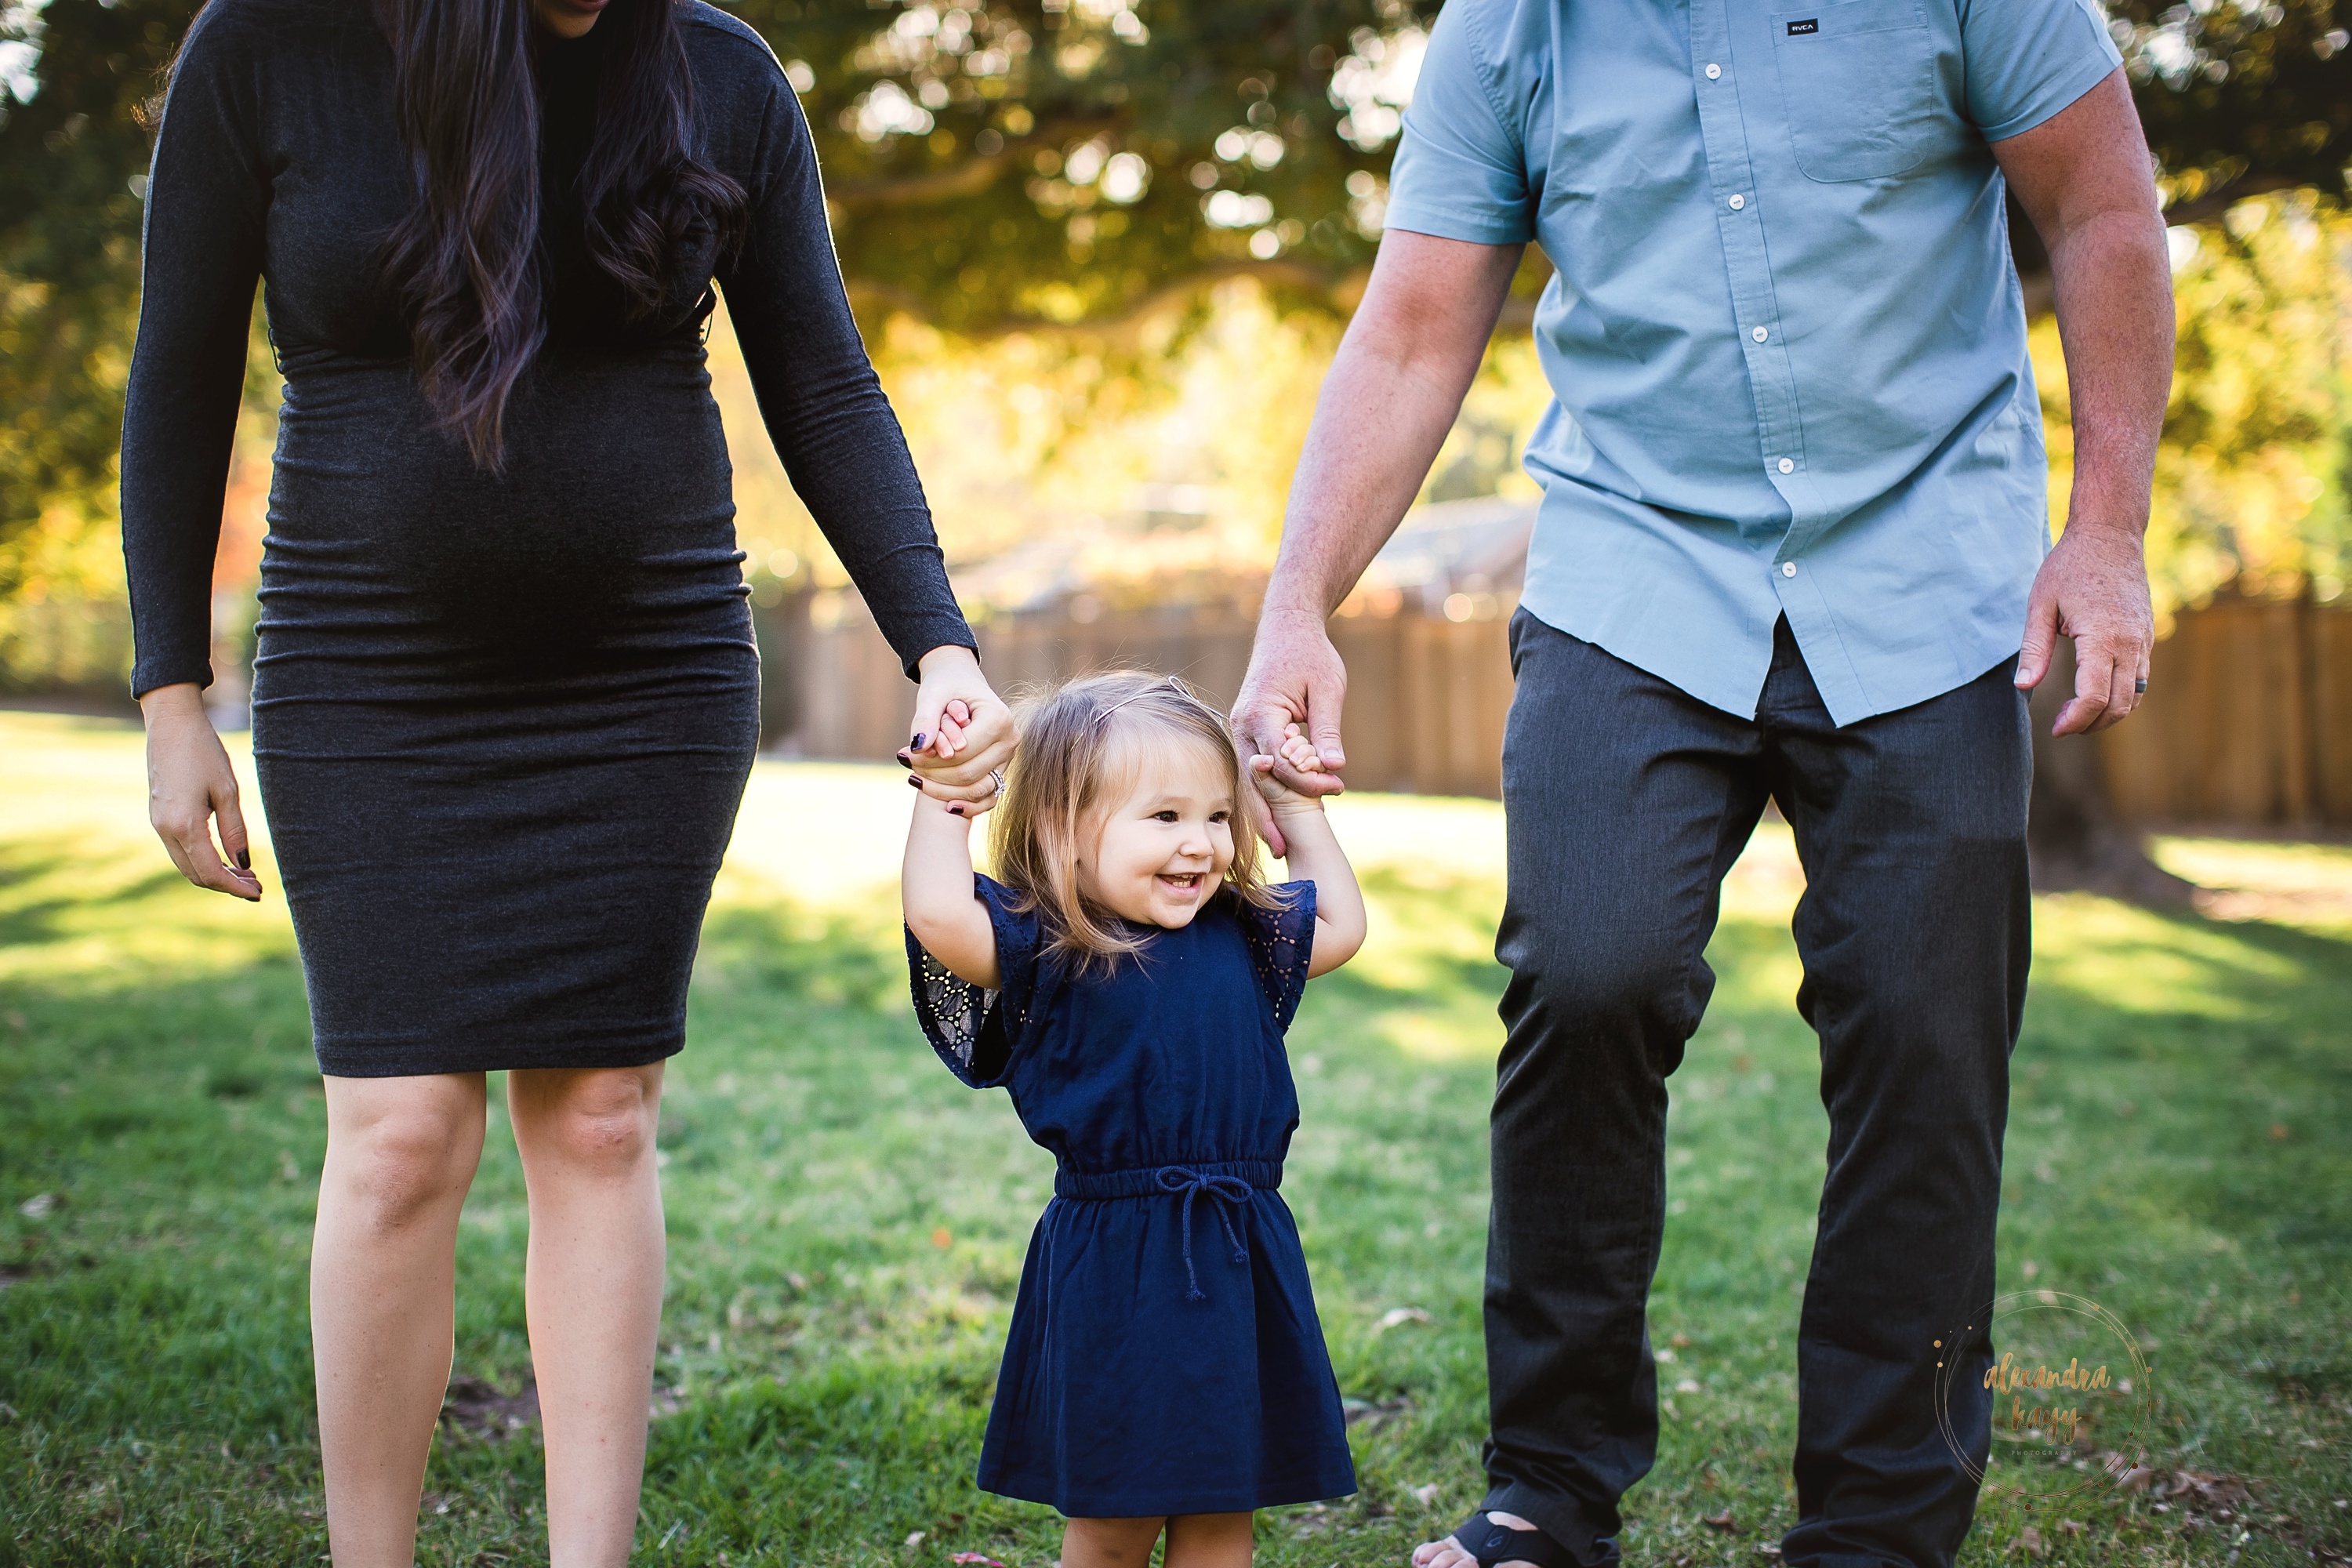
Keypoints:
pixel 1627 802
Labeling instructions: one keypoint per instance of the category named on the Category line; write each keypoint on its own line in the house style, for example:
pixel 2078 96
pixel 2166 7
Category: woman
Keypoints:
pixel 505 698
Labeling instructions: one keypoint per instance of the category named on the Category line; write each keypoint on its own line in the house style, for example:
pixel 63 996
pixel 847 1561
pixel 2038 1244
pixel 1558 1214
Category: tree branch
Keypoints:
pixel 969 178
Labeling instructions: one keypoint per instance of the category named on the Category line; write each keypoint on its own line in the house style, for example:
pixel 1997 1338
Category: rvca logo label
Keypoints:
pixel 1810 25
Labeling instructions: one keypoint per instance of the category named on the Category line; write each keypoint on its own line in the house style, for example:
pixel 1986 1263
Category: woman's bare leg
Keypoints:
pixel 1211 1541
pixel 592 1291
pixel 401 1153
pixel 1109 1543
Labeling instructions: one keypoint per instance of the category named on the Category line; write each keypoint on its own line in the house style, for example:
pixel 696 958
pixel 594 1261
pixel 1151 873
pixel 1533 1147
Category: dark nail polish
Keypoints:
pixel 955 811
pixel 913 780
pixel 919 743
pixel 905 761
pixel 243 860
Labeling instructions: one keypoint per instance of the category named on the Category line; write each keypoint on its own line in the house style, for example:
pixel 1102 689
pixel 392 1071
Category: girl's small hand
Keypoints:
pixel 1301 755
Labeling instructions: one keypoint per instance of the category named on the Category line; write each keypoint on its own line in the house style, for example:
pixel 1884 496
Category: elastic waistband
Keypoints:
pixel 1147 1181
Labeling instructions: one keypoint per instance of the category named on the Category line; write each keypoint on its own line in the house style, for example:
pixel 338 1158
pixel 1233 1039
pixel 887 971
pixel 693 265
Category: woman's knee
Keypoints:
pixel 596 1120
pixel 404 1149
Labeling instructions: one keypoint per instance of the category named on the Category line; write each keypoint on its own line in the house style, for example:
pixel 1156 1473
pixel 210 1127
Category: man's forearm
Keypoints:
pixel 2086 178
pixel 2113 288
pixel 1391 395
pixel 1377 426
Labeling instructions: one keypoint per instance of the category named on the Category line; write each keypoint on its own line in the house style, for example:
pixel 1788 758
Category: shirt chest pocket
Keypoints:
pixel 1858 86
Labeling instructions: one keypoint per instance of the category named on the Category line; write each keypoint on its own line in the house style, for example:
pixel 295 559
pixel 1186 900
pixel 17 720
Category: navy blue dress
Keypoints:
pixel 1165 1356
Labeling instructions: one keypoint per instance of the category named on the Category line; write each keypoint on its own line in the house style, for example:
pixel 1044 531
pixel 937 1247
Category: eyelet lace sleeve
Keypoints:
pixel 975 1031
pixel 1281 941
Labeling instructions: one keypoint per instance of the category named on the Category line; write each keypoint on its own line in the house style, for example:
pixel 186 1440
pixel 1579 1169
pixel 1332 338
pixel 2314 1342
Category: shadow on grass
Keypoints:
pixel 847 1224
pixel 41 920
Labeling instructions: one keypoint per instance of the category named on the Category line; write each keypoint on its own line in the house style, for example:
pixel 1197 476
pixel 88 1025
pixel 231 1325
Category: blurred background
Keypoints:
pixel 1103 251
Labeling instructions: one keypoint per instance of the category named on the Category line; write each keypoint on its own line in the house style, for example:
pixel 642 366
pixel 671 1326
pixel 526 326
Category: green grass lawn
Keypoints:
pixel 847 1223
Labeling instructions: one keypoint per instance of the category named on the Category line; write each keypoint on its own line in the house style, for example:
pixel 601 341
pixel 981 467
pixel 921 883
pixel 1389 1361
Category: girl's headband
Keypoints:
pixel 1171 683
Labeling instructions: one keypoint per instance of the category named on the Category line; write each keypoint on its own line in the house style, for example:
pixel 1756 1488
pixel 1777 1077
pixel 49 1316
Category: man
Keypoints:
pixel 1793 536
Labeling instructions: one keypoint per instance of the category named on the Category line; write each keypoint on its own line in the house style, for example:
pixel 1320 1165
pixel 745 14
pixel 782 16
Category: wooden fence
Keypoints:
pixel 2247 724
pixel 2248 721
pixel 1426 703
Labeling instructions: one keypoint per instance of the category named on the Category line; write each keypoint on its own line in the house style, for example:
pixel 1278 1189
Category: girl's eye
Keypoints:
pixel 1220 817
pixel 1163 816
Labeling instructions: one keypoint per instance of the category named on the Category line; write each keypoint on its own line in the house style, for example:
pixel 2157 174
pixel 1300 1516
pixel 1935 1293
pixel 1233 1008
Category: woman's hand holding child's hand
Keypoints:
pixel 963 733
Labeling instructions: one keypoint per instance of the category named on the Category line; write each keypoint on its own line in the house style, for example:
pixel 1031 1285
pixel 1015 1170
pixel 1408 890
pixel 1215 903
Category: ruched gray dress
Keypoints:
pixel 502 723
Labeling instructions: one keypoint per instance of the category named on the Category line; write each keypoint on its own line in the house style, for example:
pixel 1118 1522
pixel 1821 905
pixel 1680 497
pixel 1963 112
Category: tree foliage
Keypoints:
pixel 2253 472
pixel 1001 165
pixel 1024 164
pixel 2241 97
pixel 68 245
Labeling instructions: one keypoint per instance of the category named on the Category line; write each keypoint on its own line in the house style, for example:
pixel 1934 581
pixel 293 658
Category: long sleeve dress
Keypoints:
pixel 501 721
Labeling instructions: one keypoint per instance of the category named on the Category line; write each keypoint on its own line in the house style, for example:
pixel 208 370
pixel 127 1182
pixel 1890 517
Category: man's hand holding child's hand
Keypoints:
pixel 1301 754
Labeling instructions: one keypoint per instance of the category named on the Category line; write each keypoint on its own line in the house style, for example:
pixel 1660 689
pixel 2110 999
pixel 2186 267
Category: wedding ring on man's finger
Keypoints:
pixel 2139 687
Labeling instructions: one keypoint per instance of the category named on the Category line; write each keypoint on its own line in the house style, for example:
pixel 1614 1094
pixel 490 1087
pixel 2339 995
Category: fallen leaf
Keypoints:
pixel 917 1538
pixel 2071 1526
pixel 2029 1541
pixel 1722 1521
pixel 1688 1386
pixel 1426 1496
pixel 973 1559
pixel 36 1206
pixel 1396 1316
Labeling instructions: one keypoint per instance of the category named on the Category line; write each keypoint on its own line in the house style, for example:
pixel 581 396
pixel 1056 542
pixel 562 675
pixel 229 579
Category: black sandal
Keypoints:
pixel 1491 1544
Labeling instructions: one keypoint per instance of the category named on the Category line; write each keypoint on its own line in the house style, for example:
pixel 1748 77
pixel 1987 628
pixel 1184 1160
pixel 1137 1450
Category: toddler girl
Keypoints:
pixel 1129 980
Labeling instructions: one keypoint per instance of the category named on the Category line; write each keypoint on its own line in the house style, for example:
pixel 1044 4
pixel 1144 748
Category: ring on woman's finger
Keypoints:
pixel 997 778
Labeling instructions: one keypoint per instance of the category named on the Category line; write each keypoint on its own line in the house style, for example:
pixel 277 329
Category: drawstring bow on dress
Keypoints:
pixel 1227 1191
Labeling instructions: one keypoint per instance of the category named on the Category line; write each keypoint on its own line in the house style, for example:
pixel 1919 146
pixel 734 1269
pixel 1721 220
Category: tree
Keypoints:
pixel 72 77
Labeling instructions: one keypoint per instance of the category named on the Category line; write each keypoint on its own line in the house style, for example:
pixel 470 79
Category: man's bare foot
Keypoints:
pixel 1448 1552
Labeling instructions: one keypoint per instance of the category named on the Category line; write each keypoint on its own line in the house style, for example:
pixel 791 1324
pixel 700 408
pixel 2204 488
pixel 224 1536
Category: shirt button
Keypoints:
pixel 1787 568
pixel 1738 202
pixel 1788 466
pixel 1714 72
pixel 1759 334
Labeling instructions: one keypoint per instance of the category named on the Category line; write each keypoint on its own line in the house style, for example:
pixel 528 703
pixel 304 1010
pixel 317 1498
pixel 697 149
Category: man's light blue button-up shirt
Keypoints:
pixel 1785 337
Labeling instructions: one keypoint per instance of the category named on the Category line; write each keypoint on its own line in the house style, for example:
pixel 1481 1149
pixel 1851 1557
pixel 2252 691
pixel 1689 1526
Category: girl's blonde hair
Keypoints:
pixel 1081 749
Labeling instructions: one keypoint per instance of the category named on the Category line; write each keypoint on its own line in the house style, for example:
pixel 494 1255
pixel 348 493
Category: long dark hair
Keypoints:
pixel 465 263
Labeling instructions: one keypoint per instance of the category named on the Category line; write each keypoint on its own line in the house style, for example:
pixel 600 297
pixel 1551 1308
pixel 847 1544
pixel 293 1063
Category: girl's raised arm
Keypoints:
pixel 1315 857
pixel 935 888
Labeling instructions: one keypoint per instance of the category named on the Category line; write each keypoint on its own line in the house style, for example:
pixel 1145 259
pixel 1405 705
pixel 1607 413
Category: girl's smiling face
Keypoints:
pixel 1156 856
